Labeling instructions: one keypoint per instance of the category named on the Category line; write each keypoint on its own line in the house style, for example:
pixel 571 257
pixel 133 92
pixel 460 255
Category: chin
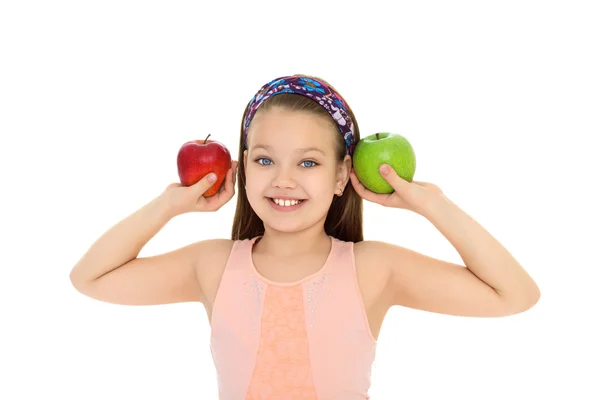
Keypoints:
pixel 283 228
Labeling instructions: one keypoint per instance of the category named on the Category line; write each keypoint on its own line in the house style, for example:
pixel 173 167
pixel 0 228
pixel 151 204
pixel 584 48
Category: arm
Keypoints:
pixel 121 243
pixel 111 270
pixel 492 284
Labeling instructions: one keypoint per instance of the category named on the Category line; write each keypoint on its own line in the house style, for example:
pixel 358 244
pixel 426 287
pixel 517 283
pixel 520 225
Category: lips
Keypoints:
pixel 286 205
pixel 286 202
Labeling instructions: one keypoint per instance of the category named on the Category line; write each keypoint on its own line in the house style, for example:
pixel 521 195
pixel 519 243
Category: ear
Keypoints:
pixel 245 159
pixel 343 172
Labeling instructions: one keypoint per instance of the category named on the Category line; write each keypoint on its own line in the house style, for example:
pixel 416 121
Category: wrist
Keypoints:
pixel 163 206
pixel 437 205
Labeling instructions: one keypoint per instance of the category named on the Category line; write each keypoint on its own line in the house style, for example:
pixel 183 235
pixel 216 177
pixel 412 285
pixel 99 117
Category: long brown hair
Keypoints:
pixel 344 218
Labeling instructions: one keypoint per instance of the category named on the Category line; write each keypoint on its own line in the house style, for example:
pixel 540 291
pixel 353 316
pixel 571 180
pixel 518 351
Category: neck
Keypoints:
pixel 291 244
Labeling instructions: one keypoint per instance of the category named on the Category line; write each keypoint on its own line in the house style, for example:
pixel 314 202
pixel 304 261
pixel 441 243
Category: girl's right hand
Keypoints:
pixel 183 199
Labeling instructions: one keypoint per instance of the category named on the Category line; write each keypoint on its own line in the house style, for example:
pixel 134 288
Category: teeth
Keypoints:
pixel 286 203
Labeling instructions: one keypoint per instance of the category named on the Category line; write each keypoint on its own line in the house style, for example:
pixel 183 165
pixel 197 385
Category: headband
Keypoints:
pixel 314 89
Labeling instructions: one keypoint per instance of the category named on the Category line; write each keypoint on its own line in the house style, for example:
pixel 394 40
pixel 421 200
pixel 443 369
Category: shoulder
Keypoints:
pixel 383 255
pixel 373 253
pixel 382 262
pixel 370 258
pixel 426 283
pixel 397 261
pixel 211 254
pixel 211 258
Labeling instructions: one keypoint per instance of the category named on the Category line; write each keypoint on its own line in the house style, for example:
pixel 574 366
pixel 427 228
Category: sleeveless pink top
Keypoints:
pixel 306 340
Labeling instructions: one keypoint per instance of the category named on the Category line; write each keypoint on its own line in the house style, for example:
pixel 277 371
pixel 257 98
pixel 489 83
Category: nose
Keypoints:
pixel 283 179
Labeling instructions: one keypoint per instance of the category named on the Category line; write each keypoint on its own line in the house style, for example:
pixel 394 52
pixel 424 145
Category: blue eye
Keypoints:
pixel 262 158
pixel 309 161
pixel 265 161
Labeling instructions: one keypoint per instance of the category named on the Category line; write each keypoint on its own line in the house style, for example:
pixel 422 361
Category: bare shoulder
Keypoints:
pixel 172 277
pixel 373 274
pixel 212 257
pixel 212 253
pixel 426 283
pixel 367 255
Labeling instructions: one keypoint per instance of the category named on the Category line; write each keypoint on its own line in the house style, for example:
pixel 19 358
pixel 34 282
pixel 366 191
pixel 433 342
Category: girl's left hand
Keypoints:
pixel 414 196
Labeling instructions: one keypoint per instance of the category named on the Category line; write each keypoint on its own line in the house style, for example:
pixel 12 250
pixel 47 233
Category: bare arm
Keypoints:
pixel 122 243
pixel 111 270
pixel 491 284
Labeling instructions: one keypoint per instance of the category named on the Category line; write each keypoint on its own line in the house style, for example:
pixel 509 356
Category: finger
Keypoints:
pixel 389 174
pixel 231 182
pixel 363 191
pixel 229 177
pixel 235 169
pixel 204 184
pixel 228 188
pixel 225 192
pixel 227 180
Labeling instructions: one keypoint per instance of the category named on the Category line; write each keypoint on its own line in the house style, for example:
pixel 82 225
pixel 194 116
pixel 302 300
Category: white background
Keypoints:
pixel 499 99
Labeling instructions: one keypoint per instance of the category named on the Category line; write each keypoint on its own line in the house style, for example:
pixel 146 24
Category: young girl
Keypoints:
pixel 296 298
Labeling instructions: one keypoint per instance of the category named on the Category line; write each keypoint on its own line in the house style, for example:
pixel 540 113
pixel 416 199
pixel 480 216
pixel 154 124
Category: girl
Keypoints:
pixel 296 297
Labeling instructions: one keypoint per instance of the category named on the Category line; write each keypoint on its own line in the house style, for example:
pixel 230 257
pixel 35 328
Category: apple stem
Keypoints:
pixel 206 138
pixel 377 135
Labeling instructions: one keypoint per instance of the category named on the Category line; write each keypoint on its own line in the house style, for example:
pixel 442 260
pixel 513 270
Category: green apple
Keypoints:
pixel 383 148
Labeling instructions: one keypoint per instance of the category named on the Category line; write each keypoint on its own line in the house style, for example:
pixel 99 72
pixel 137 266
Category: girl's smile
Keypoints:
pixel 285 205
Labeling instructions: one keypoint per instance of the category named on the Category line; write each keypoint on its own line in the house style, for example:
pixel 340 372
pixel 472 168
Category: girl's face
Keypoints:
pixel 291 157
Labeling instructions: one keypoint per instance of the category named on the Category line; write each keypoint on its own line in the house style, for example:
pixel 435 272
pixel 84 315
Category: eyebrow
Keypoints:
pixel 302 150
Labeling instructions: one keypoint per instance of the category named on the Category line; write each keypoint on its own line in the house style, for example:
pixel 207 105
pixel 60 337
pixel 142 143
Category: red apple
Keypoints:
pixel 198 158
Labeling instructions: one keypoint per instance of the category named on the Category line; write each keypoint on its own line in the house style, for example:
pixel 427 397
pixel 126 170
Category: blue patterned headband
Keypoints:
pixel 314 89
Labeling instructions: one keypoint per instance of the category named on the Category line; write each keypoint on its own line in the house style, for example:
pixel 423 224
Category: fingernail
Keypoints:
pixel 212 177
pixel 384 169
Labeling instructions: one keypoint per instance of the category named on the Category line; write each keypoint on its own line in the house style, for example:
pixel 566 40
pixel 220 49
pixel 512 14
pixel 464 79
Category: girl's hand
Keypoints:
pixel 183 199
pixel 414 196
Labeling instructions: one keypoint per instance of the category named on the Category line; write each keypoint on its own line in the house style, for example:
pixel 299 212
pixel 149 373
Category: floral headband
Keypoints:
pixel 314 89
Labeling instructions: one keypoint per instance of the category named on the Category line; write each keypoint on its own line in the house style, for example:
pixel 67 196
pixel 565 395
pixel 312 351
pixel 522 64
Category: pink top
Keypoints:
pixel 308 339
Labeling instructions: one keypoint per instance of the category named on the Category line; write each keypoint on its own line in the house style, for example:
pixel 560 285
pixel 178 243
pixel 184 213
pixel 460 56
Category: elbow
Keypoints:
pixel 77 280
pixel 532 295
pixel 525 301
pixel 531 300
pixel 535 297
